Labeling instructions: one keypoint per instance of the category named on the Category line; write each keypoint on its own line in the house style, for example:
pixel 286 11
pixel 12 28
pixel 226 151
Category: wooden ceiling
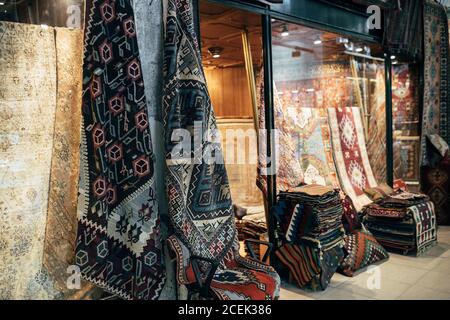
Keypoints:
pixel 222 27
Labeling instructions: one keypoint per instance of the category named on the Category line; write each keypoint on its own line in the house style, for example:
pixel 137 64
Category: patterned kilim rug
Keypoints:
pixel 426 232
pixel 350 154
pixel 314 147
pixel 118 242
pixel 27 113
pixel 376 138
pixel 198 190
pixel 436 98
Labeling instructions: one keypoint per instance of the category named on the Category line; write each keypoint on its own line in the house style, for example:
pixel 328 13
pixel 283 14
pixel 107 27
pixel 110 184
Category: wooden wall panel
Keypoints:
pixel 229 92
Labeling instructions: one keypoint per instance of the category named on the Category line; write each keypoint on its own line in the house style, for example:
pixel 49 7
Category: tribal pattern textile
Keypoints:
pixel 27 114
pixel 436 184
pixel 405 99
pixel 314 146
pixel 309 266
pixel 436 98
pixel 375 210
pixel 415 231
pixel 118 241
pixel 200 205
pixel 361 250
pixel 426 231
pixel 350 217
pixel 350 154
pixel 61 227
pixel 237 279
pixel 311 214
pixel 376 137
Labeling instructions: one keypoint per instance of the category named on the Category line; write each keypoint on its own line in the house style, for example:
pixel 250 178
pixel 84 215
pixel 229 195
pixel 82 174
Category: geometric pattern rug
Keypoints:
pixel 197 185
pixel 119 239
pixel 436 98
pixel 350 154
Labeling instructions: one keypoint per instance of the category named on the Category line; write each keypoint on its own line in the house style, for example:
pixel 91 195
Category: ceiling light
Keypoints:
pixel 394 62
pixel 294 91
pixel 317 41
pixel 359 49
pixel 393 57
pixel 341 40
pixel 349 46
pixel 2 3
pixel 285 31
pixel 215 52
pixel 310 90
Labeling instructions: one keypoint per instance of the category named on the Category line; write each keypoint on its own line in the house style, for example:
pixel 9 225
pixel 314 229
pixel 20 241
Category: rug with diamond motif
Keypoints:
pixel 350 154
pixel 118 241
pixel 200 205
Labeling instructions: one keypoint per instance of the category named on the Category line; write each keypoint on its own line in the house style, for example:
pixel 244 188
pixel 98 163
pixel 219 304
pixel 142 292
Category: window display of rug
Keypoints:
pixel 27 110
pixel 350 154
pixel 376 131
pixel 436 98
pixel 119 240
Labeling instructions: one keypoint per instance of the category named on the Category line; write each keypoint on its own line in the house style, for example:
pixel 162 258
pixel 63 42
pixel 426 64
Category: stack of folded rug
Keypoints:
pixel 402 221
pixel 311 228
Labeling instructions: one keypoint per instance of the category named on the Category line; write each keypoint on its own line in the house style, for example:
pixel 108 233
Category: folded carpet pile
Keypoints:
pixel 403 221
pixel 311 228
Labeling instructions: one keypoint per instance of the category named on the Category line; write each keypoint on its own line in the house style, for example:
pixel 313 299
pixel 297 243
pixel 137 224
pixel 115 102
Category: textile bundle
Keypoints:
pixel 350 154
pixel 312 231
pixel 403 221
pixel 436 97
pixel 119 241
pixel 200 206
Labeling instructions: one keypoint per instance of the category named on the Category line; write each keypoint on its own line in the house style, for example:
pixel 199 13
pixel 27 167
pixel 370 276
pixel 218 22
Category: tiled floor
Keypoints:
pixel 400 278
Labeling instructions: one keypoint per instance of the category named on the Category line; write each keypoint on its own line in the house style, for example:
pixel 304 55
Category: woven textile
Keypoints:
pixel 436 98
pixel 198 189
pixel 350 154
pixel 61 227
pixel 27 113
pixel 376 137
pixel 118 242
pixel 309 266
pixel 350 217
pixel 426 233
pixel 413 230
pixel 236 279
pixel 311 127
pixel 362 250
pixel 436 184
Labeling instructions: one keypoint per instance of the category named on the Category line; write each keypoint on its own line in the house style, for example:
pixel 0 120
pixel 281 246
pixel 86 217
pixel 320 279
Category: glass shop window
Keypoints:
pixel 315 71
pixel 405 108
pixel 231 43
pixel 54 13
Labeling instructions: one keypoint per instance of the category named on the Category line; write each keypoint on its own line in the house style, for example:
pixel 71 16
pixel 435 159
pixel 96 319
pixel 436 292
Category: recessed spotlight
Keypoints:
pixel 215 52
pixel 285 31
pixel 393 57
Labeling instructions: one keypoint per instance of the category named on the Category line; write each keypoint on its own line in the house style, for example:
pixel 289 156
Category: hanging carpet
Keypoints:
pixel 350 154
pixel 436 98
pixel 200 206
pixel 118 242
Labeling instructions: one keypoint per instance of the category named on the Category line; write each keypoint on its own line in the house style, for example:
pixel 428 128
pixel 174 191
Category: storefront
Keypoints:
pixel 324 120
